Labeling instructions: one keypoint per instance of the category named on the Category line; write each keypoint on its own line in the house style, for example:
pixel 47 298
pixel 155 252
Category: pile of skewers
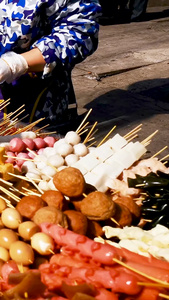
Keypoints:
pixel 71 265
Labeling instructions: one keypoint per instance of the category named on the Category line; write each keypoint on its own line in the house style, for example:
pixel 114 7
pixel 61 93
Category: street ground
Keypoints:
pixel 126 81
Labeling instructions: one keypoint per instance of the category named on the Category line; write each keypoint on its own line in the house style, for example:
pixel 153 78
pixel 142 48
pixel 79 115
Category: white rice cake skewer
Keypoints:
pixel 97 180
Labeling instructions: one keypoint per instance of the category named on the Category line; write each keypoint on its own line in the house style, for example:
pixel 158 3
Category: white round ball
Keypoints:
pixel 43 185
pixel 33 176
pixel 65 149
pixel 49 171
pixel 49 151
pixel 72 137
pixel 80 149
pixel 28 166
pixel 56 160
pixel 51 185
pixel 71 159
pixel 59 142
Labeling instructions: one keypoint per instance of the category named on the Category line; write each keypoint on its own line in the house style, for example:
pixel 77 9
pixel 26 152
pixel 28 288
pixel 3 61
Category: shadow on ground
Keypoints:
pixel 141 101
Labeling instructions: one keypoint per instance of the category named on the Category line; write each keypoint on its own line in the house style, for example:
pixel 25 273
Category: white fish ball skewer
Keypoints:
pixel 72 138
pixel 49 171
pixel 65 149
pixel 56 160
pixel 49 151
pixel 43 185
pixel 71 159
pixel 80 149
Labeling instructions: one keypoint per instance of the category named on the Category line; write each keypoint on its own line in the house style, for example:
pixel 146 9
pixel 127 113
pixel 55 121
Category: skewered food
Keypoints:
pixel 50 214
pixel 98 206
pixel 28 205
pixel 69 182
pixel 77 221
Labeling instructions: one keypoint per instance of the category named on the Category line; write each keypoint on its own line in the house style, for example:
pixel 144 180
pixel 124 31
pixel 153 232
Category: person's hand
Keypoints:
pixel 12 66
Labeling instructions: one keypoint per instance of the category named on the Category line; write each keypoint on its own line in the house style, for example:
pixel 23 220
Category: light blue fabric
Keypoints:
pixel 63 30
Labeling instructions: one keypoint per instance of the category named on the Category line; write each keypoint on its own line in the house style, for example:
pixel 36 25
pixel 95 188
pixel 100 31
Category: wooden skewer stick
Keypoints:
pixel 19 113
pixel 46 133
pixel 13 196
pixel 91 130
pixel 18 158
pixel 87 123
pixel 30 126
pixel 23 177
pixel 107 135
pixel 163 295
pixel 6 182
pixel 37 130
pixel 159 152
pixel 133 131
pixel 132 138
pixel 139 272
pixel 4 101
pixel 16 190
pixel 5 105
pixel 82 132
pixel 114 221
pixel 90 110
pixel 8 202
pixel 31 192
pixel 14 112
pixel 163 158
pixel 91 139
pixel 149 137
pixel 31 180
pixel 92 144
pixel 153 284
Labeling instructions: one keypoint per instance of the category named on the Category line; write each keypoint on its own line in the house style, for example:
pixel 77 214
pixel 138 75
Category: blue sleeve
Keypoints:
pixel 74 33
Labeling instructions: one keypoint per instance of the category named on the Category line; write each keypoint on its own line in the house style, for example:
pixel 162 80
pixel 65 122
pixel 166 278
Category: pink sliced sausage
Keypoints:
pixel 102 253
pixel 16 145
pixel 49 140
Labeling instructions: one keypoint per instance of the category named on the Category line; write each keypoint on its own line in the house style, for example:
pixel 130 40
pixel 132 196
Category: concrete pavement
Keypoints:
pixel 126 81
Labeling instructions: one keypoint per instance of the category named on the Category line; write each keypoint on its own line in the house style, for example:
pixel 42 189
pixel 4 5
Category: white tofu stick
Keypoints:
pixel 103 152
pixel 96 180
pixel 116 142
pixel 89 162
pixel 80 167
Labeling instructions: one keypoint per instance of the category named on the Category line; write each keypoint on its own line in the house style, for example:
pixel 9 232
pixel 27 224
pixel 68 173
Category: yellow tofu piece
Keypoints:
pixel 2 153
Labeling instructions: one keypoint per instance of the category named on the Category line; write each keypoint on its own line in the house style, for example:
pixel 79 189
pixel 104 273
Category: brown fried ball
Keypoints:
pixel 122 216
pixel 28 205
pixel 77 221
pixel 131 205
pixel 94 229
pixel 69 182
pixel 55 198
pixel 50 214
pixel 98 206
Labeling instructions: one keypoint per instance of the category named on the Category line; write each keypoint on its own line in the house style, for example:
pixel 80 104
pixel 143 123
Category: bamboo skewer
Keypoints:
pixel 107 135
pixel 82 132
pixel 133 131
pixel 10 194
pixel 91 130
pixel 159 152
pixel 132 138
pixel 163 158
pixel 149 137
pixel 77 130
pixel 140 273
pixel 83 127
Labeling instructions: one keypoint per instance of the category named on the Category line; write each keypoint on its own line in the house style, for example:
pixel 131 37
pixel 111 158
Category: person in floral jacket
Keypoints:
pixel 40 43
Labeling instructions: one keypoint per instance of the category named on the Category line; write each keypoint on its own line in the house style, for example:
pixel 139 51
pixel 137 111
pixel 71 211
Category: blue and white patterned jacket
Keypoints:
pixel 63 30
pixel 66 32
